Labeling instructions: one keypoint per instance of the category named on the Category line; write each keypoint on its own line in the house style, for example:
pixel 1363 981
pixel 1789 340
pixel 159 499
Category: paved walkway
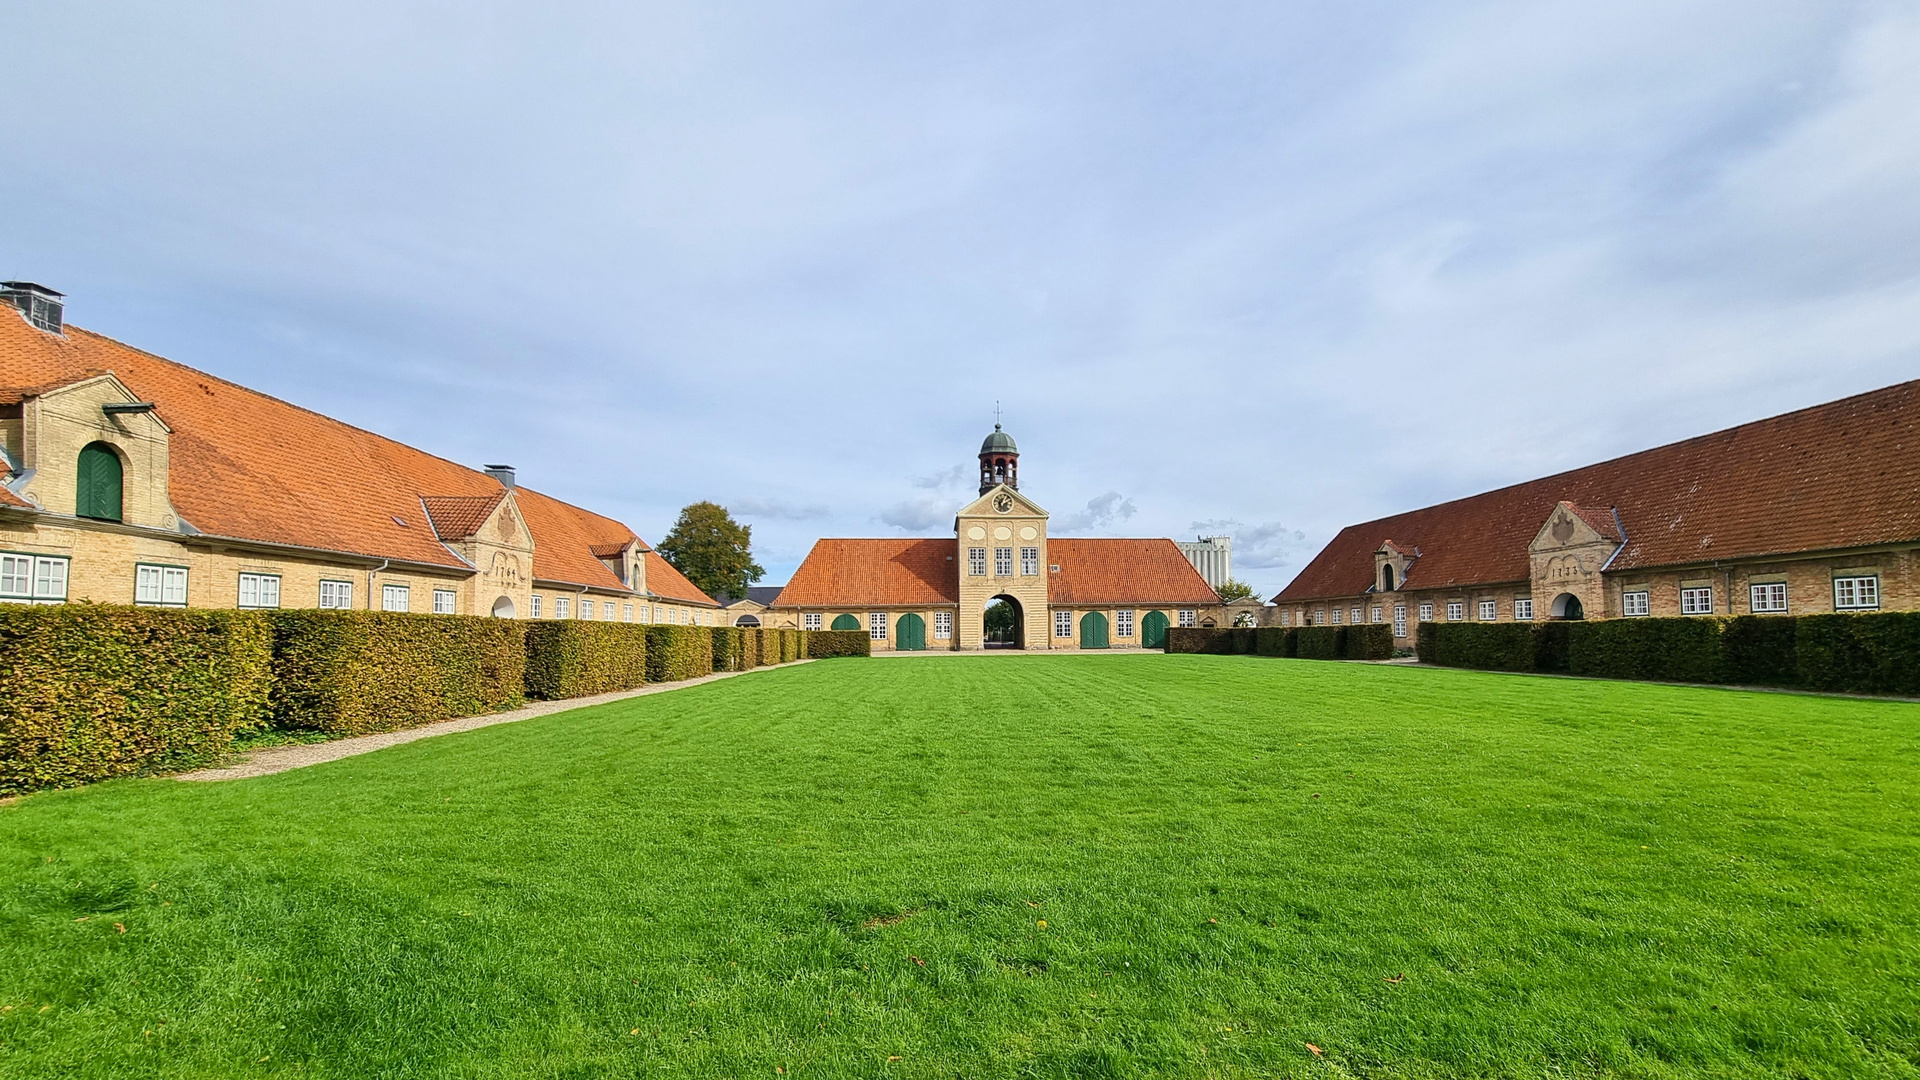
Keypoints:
pixel 277 759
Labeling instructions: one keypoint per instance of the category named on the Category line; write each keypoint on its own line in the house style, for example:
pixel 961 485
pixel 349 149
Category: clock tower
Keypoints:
pixel 1002 551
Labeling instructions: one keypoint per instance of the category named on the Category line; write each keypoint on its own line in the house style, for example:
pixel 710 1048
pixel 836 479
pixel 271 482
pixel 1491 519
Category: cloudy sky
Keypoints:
pixel 1266 268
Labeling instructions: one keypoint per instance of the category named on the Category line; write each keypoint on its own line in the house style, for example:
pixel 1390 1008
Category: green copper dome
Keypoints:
pixel 999 443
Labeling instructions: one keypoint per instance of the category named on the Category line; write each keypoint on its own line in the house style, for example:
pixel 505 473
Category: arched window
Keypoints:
pixel 1386 578
pixel 98 494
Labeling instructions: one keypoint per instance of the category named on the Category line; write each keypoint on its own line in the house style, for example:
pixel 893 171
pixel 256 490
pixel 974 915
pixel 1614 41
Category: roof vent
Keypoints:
pixel 42 306
pixel 502 473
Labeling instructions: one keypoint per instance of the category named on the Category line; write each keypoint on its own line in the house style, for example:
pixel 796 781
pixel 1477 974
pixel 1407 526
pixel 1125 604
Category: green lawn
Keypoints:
pixel 1008 866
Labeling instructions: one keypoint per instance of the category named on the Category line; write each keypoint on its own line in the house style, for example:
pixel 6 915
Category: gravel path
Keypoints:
pixel 277 759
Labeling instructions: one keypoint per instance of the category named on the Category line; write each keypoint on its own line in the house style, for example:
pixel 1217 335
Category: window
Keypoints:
pixel 1186 617
pixel 943 626
pixel 1353 616
pixel 1696 601
pixel 395 598
pixel 1002 562
pixel 1378 614
pixel 33 579
pixel 1456 610
pixel 1063 624
pixel 260 590
pixel 97 494
pixel 164 585
pixel 1523 608
pixel 810 621
pixel 1489 610
pixel 1336 616
pixel 560 604
pixel 1769 598
pixel 443 601
pixel 336 594
pixel 626 612
pixel 877 626
pixel 1856 593
pixel 1123 623
pixel 1634 603
pixel 1283 618
pixel 1426 612
pixel 977 562
pixel 535 609
pixel 586 608
pixel 1399 620
pixel 1029 561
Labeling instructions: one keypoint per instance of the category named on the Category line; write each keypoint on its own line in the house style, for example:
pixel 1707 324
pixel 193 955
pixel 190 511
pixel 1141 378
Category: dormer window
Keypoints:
pixel 1386 578
pixel 41 306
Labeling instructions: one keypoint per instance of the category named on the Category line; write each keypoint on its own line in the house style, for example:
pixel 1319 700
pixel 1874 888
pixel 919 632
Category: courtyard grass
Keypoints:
pixel 1009 866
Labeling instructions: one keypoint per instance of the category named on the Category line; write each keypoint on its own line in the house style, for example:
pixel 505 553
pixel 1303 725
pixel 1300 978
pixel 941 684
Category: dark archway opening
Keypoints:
pixel 1005 624
pixel 747 620
pixel 1567 606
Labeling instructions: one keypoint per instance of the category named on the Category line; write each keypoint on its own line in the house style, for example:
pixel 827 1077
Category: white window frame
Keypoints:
pixel 1353 616
pixel 1856 592
pixel 877 625
pixel 1456 611
pixel 264 587
pixel 1029 562
pixel 1378 613
pixel 1523 609
pixel 1489 611
pixel 561 606
pixel 159 585
pixel 1003 562
pixel 26 578
pixel 810 621
pixel 1767 597
pixel 1063 624
pixel 1426 611
pixel 1636 603
pixel 943 626
pixel 534 610
pixel 390 593
pixel 1284 617
pixel 445 602
pixel 626 612
pixel 1399 620
pixel 976 562
pixel 1336 616
pixel 1696 600
pixel 336 595
pixel 1123 624
pixel 1187 617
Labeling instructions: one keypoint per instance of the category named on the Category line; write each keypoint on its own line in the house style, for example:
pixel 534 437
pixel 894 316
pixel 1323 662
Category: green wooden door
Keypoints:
pixel 845 622
pixel 99 487
pixel 1153 630
pixel 911 633
pixel 1093 630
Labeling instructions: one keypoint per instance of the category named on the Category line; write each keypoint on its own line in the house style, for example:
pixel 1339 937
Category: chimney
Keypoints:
pixel 502 473
pixel 42 306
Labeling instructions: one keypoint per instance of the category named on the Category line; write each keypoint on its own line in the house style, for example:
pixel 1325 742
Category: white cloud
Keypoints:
pixel 1100 512
pixel 778 509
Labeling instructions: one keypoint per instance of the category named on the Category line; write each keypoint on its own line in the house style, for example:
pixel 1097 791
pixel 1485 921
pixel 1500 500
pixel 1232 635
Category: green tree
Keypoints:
pixel 999 621
pixel 1234 590
pixel 714 551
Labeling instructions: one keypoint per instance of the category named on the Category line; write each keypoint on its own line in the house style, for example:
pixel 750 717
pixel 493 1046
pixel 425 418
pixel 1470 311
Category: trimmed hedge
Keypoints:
pixel 94 691
pixel 1318 642
pixel 1368 641
pixel 354 672
pixel 1868 654
pixel 825 644
pixel 730 648
pixel 791 647
pixel 569 658
pixel 678 652
pixel 1275 641
pixel 1214 640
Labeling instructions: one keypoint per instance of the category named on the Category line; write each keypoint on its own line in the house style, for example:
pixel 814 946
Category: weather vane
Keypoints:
pixel 996 414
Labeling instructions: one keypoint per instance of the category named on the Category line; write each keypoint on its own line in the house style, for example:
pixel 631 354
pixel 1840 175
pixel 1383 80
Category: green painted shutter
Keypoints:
pixel 1093 631
pixel 1153 630
pixel 98 494
pixel 912 633
pixel 845 622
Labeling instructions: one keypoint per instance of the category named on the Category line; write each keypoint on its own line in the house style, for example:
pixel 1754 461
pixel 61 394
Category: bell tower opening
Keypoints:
pixel 999 462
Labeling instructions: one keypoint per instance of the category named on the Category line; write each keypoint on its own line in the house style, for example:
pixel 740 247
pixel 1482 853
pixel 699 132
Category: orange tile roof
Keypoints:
pixel 8 498
pixel 1841 475
pixel 250 466
pixel 1096 572
pixel 456 517
pixel 664 580
pixel 874 573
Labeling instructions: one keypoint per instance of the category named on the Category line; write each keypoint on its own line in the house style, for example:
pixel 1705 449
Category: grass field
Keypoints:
pixel 1008 866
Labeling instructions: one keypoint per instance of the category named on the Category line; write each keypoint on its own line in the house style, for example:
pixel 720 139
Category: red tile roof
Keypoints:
pixel 1098 572
pixel 8 498
pixel 664 580
pixel 456 517
pixel 1841 475
pixel 874 573
pixel 250 466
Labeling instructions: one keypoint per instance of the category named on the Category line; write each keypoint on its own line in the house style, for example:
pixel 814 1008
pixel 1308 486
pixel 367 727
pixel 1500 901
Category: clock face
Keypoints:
pixel 1003 502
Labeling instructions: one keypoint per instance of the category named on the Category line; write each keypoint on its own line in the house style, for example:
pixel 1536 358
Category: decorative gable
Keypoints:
pixel 1002 501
